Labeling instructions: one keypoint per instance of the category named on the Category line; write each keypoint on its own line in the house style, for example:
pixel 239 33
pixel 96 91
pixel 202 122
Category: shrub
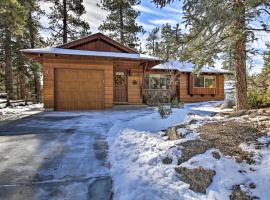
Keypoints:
pixel 259 91
pixel 164 111
pixel 175 103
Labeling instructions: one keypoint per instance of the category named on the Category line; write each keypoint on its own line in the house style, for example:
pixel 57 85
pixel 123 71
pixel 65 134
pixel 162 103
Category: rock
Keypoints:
pixel 238 194
pixel 167 160
pixel 193 121
pixel 199 178
pixel 252 185
pixel 173 134
pixel 238 113
pixel 180 126
pixel 216 155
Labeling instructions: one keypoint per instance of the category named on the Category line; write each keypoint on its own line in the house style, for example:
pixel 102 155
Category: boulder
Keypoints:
pixel 167 160
pixel 173 134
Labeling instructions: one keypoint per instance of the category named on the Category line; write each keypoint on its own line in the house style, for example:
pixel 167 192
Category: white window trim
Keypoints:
pixel 204 81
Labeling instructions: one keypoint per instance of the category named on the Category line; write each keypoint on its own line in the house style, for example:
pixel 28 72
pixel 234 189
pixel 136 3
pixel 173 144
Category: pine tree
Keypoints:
pixel 152 42
pixel 14 15
pixel 170 42
pixel 219 26
pixel 65 21
pixel 34 39
pixel 120 23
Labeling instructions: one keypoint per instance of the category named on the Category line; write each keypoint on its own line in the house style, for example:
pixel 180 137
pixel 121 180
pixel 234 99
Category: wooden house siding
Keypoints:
pixel 51 63
pixel 98 45
pixel 188 93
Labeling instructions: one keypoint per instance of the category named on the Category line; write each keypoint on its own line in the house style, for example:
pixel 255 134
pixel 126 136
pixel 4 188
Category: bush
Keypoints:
pixel 259 91
pixel 175 103
pixel 164 111
pixel 258 100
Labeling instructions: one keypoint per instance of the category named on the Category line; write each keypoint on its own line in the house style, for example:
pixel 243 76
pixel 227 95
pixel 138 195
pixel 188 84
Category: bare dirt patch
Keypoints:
pixel 228 135
pixel 198 178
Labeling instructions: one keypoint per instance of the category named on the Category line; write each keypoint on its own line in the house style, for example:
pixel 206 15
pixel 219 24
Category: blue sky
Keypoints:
pixel 151 17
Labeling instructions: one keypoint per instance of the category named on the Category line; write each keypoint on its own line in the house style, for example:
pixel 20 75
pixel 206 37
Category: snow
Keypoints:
pixel 138 147
pixel 188 67
pixel 9 113
pixel 211 106
pixel 54 50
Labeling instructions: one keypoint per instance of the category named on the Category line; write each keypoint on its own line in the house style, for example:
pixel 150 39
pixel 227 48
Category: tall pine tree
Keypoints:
pixel 14 14
pixel 153 42
pixel 219 26
pixel 65 21
pixel 120 23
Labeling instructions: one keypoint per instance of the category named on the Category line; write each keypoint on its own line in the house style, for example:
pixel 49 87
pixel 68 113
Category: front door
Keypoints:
pixel 120 86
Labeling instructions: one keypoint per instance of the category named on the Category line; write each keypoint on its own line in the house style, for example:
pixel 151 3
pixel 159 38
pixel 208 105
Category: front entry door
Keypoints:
pixel 120 86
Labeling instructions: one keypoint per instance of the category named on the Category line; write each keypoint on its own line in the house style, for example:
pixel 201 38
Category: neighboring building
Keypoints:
pixel 96 72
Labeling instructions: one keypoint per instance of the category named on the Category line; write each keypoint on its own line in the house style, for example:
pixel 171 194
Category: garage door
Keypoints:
pixel 79 89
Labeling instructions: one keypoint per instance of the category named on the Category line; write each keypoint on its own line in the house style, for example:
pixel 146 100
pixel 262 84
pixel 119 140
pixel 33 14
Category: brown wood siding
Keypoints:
pixel 135 89
pixel 78 89
pixel 190 94
pixel 76 62
pixel 98 45
pixel 134 73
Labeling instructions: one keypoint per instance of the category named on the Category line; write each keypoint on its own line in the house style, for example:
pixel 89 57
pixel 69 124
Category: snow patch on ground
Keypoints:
pixel 137 149
pixel 10 113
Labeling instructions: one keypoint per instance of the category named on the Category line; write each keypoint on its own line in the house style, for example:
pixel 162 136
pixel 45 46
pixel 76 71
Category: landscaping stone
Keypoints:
pixel 167 160
pixel 198 178
pixel 173 134
pixel 216 155
pixel 180 126
pixel 238 194
pixel 252 185
pixel 193 121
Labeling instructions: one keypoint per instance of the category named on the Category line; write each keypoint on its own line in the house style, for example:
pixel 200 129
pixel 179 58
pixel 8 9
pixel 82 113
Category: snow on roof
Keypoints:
pixel 54 50
pixel 188 67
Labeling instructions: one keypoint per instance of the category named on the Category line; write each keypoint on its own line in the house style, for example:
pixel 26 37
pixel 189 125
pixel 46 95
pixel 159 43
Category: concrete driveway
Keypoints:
pixel 58 155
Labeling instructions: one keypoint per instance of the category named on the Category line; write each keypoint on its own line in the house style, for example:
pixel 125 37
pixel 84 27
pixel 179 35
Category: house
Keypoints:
pixel 96 72
pixel 188 86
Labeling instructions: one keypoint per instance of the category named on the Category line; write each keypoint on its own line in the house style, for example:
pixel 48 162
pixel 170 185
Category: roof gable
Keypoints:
pixel 97 42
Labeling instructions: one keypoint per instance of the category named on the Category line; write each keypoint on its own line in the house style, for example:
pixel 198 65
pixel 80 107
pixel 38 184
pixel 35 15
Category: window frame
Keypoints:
pixel 204 76
pixel 161 76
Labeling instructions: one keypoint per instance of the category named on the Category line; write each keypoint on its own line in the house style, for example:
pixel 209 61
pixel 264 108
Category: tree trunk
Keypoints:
pixel 122 39
pixel 240 58
pixel 64 21
pixel 37 86
pixel 8 67
pixel 34 68
pixel 22 81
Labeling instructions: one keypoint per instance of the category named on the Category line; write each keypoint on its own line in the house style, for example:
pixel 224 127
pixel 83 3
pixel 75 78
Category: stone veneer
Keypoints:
pixel 155 96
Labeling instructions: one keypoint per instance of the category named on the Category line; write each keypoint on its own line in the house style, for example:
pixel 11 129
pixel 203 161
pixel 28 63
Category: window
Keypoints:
pixel 210 81
pixel 156 81
pixel 204 81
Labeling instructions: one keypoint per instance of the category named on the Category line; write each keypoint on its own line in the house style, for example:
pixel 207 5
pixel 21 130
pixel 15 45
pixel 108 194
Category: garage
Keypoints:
pixel 78 89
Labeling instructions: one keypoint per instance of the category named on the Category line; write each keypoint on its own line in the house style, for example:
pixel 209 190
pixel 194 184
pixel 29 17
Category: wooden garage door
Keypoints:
pixel 79 89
